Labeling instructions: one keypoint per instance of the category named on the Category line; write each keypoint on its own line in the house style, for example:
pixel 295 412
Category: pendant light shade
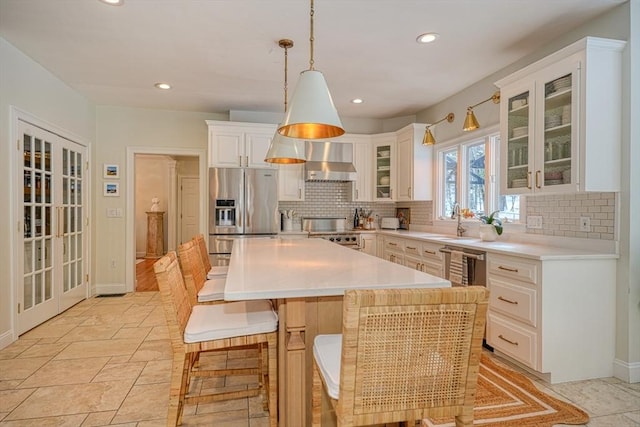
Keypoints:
pixel 311 114
pixel 284 150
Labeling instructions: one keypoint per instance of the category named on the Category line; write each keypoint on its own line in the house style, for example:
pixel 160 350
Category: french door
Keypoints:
pixel 51 249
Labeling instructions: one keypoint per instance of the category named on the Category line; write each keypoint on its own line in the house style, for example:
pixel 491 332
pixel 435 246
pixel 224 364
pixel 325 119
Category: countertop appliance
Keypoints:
pixel 242 203
pixel 331 229
pixel 390 223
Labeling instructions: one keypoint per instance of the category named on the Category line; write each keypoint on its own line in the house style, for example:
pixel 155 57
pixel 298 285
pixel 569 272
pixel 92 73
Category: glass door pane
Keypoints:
pixel 383 171
pixel 72 232
pixel 518 140
pixel 557 131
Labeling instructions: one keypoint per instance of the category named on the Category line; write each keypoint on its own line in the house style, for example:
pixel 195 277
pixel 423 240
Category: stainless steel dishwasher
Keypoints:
pixel 476 264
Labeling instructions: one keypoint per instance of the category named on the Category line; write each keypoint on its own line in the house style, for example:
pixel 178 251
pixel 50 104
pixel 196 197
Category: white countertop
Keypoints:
pixel 526 250
pixel 289 268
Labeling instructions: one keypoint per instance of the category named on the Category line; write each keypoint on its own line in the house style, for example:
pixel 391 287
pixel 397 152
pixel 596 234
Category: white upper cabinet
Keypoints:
pixel 384 166
pixel 238 144
pixel 291 182
pixel 414 165
pixel 560 121
pixel 362 187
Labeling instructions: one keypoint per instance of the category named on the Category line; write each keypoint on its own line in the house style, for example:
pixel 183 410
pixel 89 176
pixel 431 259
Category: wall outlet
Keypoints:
pixel 113 263
pixel 534 221
pixel 585 223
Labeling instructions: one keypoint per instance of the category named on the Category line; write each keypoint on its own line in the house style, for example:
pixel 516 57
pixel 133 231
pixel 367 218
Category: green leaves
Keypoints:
pixel 496 222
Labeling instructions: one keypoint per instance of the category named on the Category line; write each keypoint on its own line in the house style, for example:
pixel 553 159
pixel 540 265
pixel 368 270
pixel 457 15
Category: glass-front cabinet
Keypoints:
pixel 384 167
pixel 560 121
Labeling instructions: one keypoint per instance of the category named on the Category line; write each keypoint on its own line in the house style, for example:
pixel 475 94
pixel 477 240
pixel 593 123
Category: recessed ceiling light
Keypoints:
pixel 357 101
pixel 427 37
pixel 113 2
pixel 163 86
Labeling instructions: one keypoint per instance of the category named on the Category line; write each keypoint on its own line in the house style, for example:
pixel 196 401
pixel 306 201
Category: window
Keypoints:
pixel 467 174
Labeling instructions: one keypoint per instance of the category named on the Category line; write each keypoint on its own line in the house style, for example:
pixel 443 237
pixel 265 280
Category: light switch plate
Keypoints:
pixel 534 221
pixel 585 223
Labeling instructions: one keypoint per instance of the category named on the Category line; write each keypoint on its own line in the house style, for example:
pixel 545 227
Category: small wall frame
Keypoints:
pixel 111 171
pixel 111 189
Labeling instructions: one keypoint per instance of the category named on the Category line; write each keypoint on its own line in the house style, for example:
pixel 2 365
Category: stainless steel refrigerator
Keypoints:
pixel 242 203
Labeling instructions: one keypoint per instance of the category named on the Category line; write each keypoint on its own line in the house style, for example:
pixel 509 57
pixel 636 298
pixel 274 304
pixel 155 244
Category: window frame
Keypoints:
pixel 490 137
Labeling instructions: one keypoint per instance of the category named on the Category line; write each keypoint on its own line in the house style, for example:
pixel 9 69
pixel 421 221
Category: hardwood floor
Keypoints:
pixel 145 276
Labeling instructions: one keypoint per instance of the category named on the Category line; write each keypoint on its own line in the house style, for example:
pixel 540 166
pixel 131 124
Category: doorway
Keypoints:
pixel 187 163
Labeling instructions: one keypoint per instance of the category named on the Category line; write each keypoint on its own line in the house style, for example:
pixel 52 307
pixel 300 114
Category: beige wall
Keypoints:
pixel 26 85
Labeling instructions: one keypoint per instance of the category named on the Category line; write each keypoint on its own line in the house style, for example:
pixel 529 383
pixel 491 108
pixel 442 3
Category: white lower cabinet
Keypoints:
pixel 368 244
pixel 393 250
pixel 554 316
pixel 415 254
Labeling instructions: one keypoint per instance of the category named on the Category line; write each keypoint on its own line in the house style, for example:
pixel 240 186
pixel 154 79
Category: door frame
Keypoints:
pixel 16 114
pixel 130 245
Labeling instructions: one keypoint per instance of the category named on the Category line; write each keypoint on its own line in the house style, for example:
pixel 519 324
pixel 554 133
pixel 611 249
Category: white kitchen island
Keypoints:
pixel 307 279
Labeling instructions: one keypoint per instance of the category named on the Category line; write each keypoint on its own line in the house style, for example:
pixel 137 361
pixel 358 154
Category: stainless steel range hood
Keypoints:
pixel 329 161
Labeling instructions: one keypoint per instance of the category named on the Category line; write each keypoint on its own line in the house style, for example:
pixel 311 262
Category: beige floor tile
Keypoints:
pixel 63 372
pixel 72 399
pixel 17 347
pixel 120 359
pixel 217 420
pixel 43 350
pixel 153 350
pixel 57 421
pixel 119 371
pixel 224 407
pixel 109 318
pixel 10 399
pixel 96 419
pixel 9 384
pixel 635 416
pixel 617 420
pixel 598 397
pixel 17 369
pixel 51 329
pixel 144 402
pixel 162 422
pixel 259 421
pixel 255 407
pixel 155 371
pixel 115 347
pixel 158 333
pixel 90 333
pixel 134 333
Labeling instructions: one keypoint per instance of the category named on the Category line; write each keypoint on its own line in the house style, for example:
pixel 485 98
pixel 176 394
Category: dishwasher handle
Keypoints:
pixel 479 257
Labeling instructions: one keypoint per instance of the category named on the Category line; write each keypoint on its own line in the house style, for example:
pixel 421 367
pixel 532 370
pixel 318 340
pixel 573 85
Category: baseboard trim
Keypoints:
pixel 110 288
pixel 6 338
pixel 629 372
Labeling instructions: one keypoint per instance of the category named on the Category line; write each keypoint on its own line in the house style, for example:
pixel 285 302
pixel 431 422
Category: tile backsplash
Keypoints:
pixel 561 214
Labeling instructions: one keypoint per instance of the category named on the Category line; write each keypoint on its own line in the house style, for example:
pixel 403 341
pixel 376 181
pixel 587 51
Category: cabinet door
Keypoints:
pixel 368 244
pixel 384 164
pixel 291 182
pixel 404 179
pixel 226 148
pixel 362 187
pixel 256 147
pixel 557 91
pixel 517 139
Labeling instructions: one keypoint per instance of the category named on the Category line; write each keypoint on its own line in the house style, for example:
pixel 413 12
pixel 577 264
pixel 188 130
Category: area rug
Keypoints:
pixel 508 398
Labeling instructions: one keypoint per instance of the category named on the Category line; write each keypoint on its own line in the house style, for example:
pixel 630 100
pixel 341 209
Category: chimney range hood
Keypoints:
pixel 329 161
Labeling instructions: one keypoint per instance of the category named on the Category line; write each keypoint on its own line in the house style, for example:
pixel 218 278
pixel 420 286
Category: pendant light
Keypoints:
pixel 282 149
pixel 312 114
pixel 428 136
pixel 470 122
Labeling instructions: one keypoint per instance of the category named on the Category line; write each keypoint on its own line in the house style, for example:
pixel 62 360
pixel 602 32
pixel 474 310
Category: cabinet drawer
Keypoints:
pixel 515 268
pixel 430 251
pixel 393 245
pixel 413 263
pixel 512 340
pixel 394 257
pixel 433 268
pixel 411 247
pixel 516 301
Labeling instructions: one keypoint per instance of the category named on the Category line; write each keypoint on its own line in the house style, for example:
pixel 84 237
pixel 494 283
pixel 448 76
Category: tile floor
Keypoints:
pixel 106 361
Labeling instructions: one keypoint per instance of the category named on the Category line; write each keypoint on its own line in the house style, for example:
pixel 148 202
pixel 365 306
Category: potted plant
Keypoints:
pixel 491 227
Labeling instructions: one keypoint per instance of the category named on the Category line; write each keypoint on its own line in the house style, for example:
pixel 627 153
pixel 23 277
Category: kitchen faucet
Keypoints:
pixel 456 214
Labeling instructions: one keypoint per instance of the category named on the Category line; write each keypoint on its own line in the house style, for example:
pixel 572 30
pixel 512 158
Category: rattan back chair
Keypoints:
pixel 193 270
pixel 204 254
pixel 203 328
pixel 404 355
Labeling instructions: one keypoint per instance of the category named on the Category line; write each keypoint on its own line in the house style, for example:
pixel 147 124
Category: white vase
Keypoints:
pixel 488 232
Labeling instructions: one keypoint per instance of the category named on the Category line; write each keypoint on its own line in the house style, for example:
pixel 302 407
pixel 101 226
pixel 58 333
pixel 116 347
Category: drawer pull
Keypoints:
pixel 393 244
pixel 509 301
pixel 411 247
pixel 509 341
pixel 430 252
pixel 513 270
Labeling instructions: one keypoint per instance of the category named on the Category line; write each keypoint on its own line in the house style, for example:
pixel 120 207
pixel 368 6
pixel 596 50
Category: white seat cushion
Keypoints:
pixel 217 271
pixel 212 322
pixel 327 350
pixel 212 290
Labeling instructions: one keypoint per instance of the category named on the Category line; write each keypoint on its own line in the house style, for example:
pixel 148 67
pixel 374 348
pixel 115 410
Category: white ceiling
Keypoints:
pixel 223 55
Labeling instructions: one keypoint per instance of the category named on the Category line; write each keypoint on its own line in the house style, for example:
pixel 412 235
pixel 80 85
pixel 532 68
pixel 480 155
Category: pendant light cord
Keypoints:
pixel 311 39
pixel 286 60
